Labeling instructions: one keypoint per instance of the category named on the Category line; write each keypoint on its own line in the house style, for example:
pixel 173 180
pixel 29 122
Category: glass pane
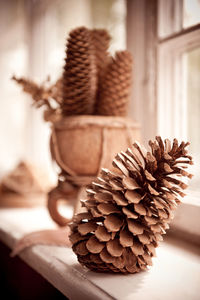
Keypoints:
pixel 169 17
pixel 193 111
pixel 191 13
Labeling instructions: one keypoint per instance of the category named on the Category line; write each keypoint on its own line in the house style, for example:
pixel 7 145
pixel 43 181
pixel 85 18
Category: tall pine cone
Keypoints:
pixel 101 41
pixel 129 211
pixel 79 77
pixel 116 86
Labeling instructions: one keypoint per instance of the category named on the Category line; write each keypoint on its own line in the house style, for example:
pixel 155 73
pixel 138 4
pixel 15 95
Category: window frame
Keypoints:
pixel 170 54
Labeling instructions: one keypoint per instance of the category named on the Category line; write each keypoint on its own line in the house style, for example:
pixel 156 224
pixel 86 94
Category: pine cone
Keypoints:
pixel 79 77
pixel 129 211
pixel 101 41
pixel 115 86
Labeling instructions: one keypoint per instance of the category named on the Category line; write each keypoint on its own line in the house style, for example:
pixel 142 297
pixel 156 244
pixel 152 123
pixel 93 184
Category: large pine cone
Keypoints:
pixel 101 41
pixel 115 86
pixel 129 211
pixel 79 77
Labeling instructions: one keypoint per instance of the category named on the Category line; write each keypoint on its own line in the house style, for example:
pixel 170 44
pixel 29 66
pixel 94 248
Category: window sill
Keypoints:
pixel 176 263
pixel 186 223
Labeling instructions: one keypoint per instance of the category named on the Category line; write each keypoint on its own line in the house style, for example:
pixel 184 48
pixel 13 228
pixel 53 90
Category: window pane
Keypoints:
pixel 191 13
pixel 169 17
pixel 193 111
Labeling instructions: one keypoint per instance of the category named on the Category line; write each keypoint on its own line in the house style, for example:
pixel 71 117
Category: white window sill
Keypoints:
pixel 187 218
pixel 175 274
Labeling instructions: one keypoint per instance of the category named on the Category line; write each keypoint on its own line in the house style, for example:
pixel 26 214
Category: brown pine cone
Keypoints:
pixel 116 86
pixel 79 77
pixel 129 211
pixel 101 40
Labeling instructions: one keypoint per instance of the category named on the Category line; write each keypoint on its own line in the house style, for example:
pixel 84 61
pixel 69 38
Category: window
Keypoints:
pixel 178 87
pixel 164 37
pixel 191 13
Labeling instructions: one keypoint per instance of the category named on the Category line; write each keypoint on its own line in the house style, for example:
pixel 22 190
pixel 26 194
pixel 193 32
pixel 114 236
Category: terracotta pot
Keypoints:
pixel 82 145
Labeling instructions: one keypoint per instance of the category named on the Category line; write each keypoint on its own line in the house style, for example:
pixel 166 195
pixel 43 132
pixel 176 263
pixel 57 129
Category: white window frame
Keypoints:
pixel 171 100
pixel 156 92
